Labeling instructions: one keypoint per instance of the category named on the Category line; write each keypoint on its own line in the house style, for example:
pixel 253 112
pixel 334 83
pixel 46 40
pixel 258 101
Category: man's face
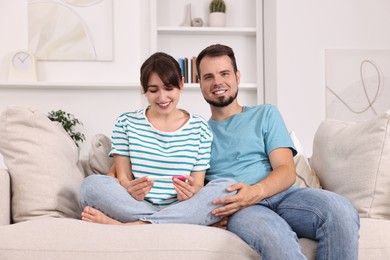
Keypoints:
pixel 218 82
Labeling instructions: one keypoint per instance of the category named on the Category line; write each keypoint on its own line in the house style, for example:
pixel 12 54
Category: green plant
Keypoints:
pixel 217 6
pixel 68 121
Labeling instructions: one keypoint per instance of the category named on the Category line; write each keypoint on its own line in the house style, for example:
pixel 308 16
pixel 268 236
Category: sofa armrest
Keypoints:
pixel 5 197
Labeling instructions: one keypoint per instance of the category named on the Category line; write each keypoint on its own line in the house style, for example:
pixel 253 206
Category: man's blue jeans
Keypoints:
pixel 107 195
pixel 273 226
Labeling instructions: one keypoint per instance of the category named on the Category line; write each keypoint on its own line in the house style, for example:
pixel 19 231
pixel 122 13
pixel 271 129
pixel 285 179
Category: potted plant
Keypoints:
pixel 68 122
pixel 217 13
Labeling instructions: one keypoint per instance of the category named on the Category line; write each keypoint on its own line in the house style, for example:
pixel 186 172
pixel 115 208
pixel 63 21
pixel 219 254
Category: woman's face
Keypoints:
pixel 161 98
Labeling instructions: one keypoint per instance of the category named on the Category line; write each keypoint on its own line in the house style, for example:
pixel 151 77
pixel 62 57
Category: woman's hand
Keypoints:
pixel 185 189
pixel 137 188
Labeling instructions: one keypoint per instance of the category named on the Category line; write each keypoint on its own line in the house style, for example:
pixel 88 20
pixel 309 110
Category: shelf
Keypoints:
pixel 67 85
pixel 248 31
pixel 90 86
pixel 241 86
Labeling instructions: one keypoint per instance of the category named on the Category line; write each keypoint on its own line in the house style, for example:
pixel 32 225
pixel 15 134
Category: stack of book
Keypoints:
pixel 188 69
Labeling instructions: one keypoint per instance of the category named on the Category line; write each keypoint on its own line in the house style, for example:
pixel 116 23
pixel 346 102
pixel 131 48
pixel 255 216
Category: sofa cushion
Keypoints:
pixel 353 159
pixel 374 242
pixel 5 197
pixel 54 238
pixel 43 163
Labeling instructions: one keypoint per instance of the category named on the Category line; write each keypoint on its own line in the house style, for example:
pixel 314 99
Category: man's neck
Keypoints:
pixel 222 113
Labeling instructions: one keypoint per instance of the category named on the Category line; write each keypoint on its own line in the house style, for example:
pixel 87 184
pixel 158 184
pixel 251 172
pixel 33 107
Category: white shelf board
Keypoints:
pixel 67 85
pixel 207 30
pixel 89 85
pixel 241 86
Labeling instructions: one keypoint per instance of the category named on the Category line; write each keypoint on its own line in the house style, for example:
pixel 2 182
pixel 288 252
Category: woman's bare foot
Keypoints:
pixel 90 214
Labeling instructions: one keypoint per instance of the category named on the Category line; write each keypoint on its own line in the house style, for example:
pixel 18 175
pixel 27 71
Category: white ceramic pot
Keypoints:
pixel 217 19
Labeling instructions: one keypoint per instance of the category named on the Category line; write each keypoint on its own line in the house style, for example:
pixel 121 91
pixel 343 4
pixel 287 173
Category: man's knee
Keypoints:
pixel 223 181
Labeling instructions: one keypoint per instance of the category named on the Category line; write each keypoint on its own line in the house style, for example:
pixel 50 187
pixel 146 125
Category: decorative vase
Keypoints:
pixel 187 16
pixel 217 19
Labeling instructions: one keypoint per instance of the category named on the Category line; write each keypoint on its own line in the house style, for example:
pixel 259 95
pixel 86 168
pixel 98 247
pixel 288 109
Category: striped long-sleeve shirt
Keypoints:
pixel 156 153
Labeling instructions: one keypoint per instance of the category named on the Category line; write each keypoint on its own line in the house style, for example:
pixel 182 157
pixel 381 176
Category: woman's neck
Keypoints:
pixel 170 122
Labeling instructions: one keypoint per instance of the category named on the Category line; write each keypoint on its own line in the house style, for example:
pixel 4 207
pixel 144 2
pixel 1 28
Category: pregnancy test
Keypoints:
pixel 182 178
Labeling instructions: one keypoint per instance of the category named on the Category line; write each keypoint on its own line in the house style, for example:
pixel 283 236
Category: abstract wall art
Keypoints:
pixel 71 30
pixel 357 84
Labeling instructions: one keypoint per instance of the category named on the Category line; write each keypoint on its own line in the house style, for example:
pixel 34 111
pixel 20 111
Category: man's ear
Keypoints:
pixel 238 76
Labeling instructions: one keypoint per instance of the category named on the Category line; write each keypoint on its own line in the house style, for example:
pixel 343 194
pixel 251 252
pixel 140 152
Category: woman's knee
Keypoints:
pixel 93 183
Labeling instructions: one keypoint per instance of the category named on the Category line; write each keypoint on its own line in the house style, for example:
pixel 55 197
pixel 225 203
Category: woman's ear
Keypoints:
pixel 182 83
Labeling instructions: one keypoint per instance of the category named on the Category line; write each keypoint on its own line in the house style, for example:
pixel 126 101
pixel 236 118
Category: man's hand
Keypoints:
pixel 138 188
pixel 246 195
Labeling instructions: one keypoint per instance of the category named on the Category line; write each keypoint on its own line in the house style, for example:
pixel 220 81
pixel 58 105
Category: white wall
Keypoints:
pixel 131 45
pixel 303 30
pixel 103 89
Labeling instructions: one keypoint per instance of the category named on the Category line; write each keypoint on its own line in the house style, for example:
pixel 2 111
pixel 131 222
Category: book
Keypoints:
pixel 182 67
pixel 194 76
pixel 185 70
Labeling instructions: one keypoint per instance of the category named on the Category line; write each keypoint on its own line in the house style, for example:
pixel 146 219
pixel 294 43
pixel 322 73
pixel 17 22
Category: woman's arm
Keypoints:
pixel 138 188
pixel 123 170
pixel 187 189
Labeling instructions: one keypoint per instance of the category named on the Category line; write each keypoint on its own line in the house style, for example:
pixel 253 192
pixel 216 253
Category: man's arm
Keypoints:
pixel 281 178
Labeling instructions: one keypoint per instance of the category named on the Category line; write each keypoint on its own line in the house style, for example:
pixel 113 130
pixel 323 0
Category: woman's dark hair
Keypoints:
pixel 216 50
pixel 166 67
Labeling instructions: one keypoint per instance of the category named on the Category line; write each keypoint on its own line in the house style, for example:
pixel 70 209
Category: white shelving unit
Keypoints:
pixel 243 32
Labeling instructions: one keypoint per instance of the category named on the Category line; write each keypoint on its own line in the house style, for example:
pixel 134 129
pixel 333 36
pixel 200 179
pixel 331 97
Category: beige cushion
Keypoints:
pixel 306 176
pixel 353 159
pixel 43 163
pixel 5 197
pixel 374 242
pixel 98 158
pixel 54 238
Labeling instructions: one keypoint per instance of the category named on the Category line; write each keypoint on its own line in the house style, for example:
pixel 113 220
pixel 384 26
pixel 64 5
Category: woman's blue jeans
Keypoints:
pixel 107 195
pixel 273 226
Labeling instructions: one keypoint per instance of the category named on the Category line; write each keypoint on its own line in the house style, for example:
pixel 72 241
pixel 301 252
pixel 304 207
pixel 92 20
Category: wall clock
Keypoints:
pixel 22 67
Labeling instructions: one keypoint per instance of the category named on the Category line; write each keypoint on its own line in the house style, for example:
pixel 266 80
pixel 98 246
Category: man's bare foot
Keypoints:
pixel 90 214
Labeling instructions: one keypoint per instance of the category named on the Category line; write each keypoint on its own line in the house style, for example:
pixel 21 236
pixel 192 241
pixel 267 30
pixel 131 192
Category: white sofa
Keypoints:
pixel 39 210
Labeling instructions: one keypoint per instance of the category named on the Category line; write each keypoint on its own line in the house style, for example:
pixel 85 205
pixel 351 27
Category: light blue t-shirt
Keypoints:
pixel 242 144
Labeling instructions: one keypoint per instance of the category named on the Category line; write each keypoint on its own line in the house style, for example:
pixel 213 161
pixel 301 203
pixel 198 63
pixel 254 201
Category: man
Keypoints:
pixel 252 146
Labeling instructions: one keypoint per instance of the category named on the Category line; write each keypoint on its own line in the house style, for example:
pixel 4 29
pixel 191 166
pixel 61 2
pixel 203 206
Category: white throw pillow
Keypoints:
pixel 43 163
pixel 353 160
pixel 98 158
pixel 306 176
